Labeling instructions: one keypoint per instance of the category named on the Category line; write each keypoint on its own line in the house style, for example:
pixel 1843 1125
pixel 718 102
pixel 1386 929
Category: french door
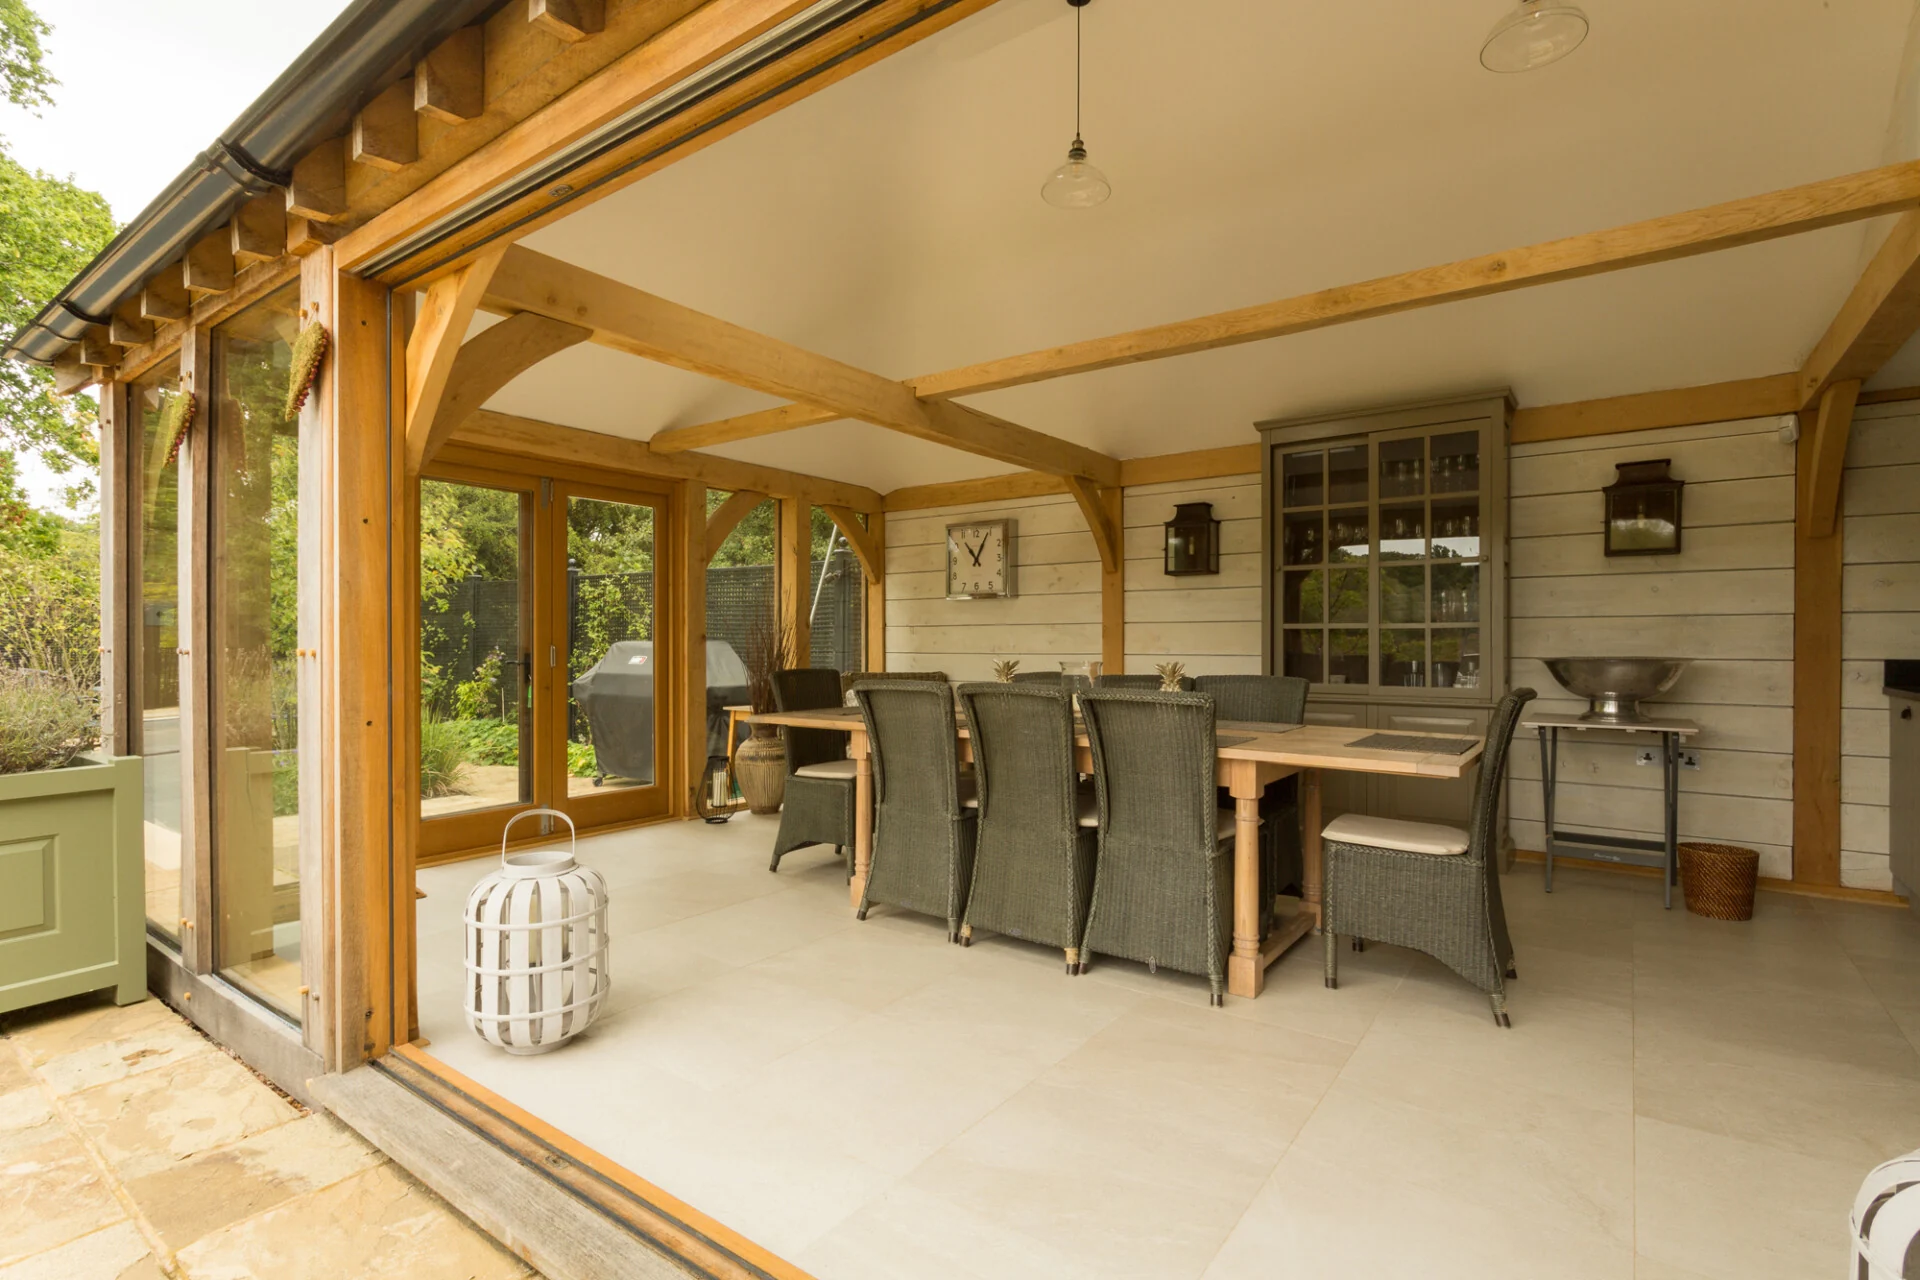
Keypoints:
pixel 542 667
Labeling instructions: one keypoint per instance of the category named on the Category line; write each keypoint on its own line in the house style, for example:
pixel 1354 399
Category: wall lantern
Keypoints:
pixel 1193 540
pixel 1643 510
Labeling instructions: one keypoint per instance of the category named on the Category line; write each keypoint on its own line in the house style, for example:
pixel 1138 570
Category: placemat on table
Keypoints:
pixel 1230 740
pixel 1400 742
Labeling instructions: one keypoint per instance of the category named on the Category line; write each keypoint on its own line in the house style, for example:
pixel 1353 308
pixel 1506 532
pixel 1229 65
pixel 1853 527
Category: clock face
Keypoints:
pixel 977 559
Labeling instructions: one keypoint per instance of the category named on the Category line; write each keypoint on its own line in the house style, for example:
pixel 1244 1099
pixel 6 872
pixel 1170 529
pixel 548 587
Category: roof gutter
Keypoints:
pixel 313 99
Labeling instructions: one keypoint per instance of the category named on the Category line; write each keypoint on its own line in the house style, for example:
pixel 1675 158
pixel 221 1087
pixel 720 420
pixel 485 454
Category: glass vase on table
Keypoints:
pixel 1078 678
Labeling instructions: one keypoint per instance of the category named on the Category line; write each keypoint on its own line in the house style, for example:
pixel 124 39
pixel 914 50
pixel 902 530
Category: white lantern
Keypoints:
pixel 536 946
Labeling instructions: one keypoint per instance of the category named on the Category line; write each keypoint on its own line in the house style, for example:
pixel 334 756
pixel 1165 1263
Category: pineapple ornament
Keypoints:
pixel 1171 673
pixel 1004 668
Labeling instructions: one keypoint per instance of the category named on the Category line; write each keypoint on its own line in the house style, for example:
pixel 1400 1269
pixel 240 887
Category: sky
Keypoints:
pixel 145 86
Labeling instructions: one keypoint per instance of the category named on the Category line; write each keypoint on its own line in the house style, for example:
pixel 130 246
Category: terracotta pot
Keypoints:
pixel 760 767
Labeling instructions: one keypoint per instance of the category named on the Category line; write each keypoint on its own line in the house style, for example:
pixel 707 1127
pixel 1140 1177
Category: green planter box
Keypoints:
pixel 72 883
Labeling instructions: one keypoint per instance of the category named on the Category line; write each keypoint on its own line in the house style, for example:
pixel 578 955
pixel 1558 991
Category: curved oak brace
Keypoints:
pixel 1820 507
pixel 872 558
pixel 438 331
pixel 489 361
pixel 727 515
pixel 1105 528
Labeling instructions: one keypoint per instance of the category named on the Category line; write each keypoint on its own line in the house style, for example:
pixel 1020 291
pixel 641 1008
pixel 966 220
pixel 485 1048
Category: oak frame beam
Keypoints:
pixel 747 426
pixel 872 553
pixel 547 442
pixel 439 331
pixel 1751 220
pixel 1827 459
pixel 727 516
pixel 1875 321
pixel 643 324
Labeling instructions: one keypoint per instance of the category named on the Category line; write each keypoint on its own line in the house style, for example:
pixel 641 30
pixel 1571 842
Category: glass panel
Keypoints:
pixel 1348 601
pixel 157 696
pixel 1302 539
pixel 1303 595
pixel 1403 658
pixel 1456 657
pixel 476 712
pixel 1456 530
pixel 1301 652
pixel 1403 468
pixel 1347 657
pixel 1403 593
pixel 1347 474
pixel 837 593
pixel 1456 593
pixel 1300 484
pixel 1456 462
pixel 1643 521
pixel 1403 532
pixel 742 589
pixel 610 654
pixel 1349 535
pixel 255 712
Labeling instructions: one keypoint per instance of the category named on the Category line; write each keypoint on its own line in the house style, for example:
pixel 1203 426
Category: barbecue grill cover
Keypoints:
pixel 617 696
pixel 726 687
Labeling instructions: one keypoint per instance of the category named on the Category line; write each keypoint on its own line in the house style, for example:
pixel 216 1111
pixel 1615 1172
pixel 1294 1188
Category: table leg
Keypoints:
pixel 1672 870
pixel 1312 860
pixel 1549 769
pixel 1246 973
pixel 862 817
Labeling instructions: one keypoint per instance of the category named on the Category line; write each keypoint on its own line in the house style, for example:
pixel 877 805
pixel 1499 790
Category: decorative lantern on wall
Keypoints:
pixel 1643 510
pixel 536 946
pixel 1193 540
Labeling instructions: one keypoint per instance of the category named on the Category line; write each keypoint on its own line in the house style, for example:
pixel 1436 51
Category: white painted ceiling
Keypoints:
pixel 1257 150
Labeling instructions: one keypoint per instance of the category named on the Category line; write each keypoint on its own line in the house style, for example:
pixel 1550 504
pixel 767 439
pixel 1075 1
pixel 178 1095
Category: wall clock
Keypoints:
pixel 980 560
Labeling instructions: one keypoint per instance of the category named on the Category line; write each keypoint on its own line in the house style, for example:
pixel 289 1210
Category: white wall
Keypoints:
pixel 1210 623
pixel 1054 615
pixel 1725 601
pixel 1880 600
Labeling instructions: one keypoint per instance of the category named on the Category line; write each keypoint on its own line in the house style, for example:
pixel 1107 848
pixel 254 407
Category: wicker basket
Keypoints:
pixel 1718 880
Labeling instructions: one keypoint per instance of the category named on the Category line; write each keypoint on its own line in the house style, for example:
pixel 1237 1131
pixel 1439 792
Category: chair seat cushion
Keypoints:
pixel 1392 833
pixel 827 769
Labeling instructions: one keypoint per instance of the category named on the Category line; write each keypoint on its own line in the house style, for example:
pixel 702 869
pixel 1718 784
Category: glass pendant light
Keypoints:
pixel 1534 34
pixel 1077 184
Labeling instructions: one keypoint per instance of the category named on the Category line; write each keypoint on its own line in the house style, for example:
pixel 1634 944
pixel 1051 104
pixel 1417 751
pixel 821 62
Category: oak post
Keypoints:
pixel 1817 562
pixel 119 522
pixel 796 577
pixel 195 488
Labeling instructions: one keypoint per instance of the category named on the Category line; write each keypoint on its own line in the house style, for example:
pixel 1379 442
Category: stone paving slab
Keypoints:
pixel 134 1148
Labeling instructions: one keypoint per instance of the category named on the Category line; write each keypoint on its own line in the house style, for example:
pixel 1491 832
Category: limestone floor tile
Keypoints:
pixel 1862 930
pixel 51 1030
pixel 1132 1187
pixel 718 1032
pixel 203 1193
pixel 118 1252
pixel 1482 1135
pixel 147 1050
pixel 1319 1217
pixel 150 1120
pixel 743 932
pixel 52 1192
pixel 22 1111
pixel 13 1072
pixel 1645 1268
pixel 1296 994
pixel 376 1223
pixel 1791 1031
pixel 869 968
pixel 1014 1002
pixel 909 1234
pixel 1737 1210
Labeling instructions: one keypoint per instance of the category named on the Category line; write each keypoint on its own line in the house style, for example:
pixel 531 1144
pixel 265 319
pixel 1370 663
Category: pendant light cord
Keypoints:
pixel 1076 70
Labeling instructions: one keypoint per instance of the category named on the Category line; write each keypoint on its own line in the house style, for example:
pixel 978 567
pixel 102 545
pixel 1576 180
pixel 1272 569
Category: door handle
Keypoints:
pixel 1906 713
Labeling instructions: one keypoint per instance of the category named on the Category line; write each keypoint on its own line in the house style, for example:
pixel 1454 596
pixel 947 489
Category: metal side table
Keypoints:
pixel 1630 850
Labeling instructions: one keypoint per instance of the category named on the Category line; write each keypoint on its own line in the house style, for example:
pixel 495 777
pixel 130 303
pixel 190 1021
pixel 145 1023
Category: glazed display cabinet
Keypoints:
pixel 1386 577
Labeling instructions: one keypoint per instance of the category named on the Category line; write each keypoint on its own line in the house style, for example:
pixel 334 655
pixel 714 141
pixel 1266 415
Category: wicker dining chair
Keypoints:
pixel 1267 700
pixel 1430 887
pixel 819 804
pixel 1033 851
pixel 1163 876
pixel 851 678
pixel 1139 682
pixel 923 833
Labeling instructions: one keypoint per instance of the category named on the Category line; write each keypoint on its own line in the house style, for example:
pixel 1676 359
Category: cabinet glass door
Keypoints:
pixel 1380 561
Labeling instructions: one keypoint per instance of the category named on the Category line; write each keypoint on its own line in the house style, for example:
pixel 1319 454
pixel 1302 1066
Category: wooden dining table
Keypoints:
pixel 1249 756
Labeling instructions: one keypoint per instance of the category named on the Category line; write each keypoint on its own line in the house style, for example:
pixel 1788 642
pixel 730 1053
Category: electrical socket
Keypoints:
pixel 1688 759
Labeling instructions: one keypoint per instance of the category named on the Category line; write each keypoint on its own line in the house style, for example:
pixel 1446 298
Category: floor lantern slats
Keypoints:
pixel 536 946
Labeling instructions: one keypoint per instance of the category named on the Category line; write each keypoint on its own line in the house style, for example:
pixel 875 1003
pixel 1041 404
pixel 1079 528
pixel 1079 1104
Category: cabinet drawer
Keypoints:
pixel 1430 719
pixel 1337 717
